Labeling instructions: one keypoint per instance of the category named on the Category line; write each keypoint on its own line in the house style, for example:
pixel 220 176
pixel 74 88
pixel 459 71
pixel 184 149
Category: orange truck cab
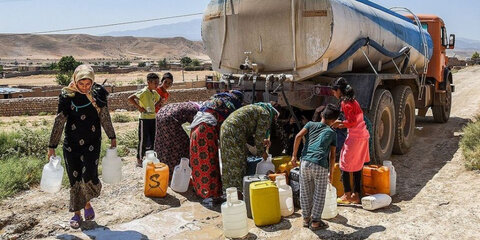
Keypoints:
pixel 438 75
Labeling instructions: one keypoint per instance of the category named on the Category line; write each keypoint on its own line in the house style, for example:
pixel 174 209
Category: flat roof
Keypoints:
pixel 9 90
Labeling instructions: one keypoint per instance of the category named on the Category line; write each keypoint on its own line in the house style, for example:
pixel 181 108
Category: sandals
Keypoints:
pixel 306 222
pixel 139 163
pixel 89 214
pixel 75 221
pixel 322 225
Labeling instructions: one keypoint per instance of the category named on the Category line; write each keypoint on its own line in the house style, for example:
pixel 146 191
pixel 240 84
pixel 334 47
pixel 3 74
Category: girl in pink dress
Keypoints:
pixel 355 151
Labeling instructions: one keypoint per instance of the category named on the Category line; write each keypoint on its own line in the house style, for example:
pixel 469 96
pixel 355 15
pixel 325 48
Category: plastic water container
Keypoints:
pixel 330 209
pixel 277 161
pixel 112 166
pixel 337 180
pixel 52 175
pixel 376 179
pixel 181 176
pixel 150 156
pixel 285 195
pixel 393 177
pixel 265 203
pixel 252 162
pixel 265 166
pixel 286 167
pixel 156 180
pixel 376 201
pixel 295 184
pixel 247 180
pixel 234 215
pixel 273 176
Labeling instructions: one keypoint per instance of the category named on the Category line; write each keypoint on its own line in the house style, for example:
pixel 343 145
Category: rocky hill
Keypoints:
pixel 82 46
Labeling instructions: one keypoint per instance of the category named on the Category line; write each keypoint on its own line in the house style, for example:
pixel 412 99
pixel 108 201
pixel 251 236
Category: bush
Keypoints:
pixel 142 64
pixel 24 143
pixel 470 145
pixel 138 81
pixel 121 118
pixel 64 79
pixel 7 143
pixel 129 139
pixel 32 142
pixel 17 174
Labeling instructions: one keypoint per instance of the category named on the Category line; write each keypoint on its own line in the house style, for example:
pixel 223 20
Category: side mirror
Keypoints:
pixel 451 41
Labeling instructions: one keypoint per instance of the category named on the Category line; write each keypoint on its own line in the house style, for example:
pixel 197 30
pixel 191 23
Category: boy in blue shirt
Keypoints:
pixel 315 164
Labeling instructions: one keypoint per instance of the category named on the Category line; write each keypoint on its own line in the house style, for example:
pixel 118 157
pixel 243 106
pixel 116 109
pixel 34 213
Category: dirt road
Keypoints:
pixel 436 198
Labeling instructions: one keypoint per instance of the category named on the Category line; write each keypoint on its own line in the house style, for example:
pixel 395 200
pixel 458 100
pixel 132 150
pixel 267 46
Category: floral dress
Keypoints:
pixel 81 145
pixel 204 140
pixel 250 120
pixel 171 141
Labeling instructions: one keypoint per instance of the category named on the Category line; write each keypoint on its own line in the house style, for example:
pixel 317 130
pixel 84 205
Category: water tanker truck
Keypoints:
pixel 292 50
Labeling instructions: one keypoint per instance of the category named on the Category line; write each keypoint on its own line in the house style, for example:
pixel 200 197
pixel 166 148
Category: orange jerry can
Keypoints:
pixel 273 176
pixel 156 180
pixel 376 179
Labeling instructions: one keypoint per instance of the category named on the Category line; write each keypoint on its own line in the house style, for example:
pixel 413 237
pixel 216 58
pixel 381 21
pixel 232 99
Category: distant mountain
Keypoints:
pixel 82 46
pixel 190 30
pixel 464 43
pixel 464 48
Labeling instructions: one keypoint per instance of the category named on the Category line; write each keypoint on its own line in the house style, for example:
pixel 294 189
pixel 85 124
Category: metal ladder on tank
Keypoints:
pixel 425 49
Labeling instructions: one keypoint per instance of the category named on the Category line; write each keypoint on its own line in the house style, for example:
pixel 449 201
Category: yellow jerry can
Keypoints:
pixel 277 161
pixel 286 167
pixel 265 203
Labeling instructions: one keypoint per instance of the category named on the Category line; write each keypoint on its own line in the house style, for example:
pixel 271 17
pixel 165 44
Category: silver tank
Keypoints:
pixel 310 37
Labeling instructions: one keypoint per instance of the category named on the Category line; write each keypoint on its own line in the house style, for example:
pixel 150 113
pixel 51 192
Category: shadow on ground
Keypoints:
pixel 435 145
pixel 104 233
pixel 359 233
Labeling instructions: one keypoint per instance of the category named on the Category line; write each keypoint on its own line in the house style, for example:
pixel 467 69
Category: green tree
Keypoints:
pixel 475 55
pixel 53 66
pixel 64 79
pixel 163 63
pixel 196 62
pixel 68 64
pixel 1 68
pixel 185 61
pixel 142 64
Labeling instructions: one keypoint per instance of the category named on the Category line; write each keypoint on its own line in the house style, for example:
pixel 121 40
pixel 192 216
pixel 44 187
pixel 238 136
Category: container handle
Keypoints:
pixel 54 161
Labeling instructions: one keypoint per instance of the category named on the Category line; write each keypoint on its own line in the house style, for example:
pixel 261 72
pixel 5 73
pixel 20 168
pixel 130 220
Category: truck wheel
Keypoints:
pixel 382 116
pixel 441 113
pixel 405 119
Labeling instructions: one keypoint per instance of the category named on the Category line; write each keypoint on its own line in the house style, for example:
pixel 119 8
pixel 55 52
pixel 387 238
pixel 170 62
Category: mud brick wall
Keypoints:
pixel 34 106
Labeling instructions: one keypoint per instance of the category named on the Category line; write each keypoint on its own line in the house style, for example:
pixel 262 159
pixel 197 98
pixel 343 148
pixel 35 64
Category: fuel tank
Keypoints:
pixel 307 38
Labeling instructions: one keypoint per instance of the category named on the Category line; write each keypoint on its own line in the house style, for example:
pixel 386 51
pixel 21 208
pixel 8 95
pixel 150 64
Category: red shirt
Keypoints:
pixel 163 96
pixel 351 110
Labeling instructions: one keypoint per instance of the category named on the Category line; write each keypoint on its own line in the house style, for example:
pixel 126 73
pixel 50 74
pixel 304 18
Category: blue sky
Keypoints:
pixel 26 16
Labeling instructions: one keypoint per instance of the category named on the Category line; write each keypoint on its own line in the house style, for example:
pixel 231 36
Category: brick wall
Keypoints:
pixel 34 106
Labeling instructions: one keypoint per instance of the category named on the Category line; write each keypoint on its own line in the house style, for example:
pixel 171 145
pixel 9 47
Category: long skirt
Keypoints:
pixel 204 161
pixel 234 157
pixel 81 164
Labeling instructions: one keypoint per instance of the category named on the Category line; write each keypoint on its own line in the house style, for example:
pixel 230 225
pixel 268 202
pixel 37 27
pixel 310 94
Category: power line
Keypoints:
pixel 117 24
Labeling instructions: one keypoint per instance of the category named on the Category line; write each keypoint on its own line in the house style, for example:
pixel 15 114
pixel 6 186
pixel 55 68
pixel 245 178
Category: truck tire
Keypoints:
pixel 441 113
pixel 405 119
pixel 382 116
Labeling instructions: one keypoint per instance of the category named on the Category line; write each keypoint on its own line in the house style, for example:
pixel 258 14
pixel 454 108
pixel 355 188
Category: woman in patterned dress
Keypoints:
pixel 204 142
pixel 83 107
pixel 251 120
pixel 171 141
